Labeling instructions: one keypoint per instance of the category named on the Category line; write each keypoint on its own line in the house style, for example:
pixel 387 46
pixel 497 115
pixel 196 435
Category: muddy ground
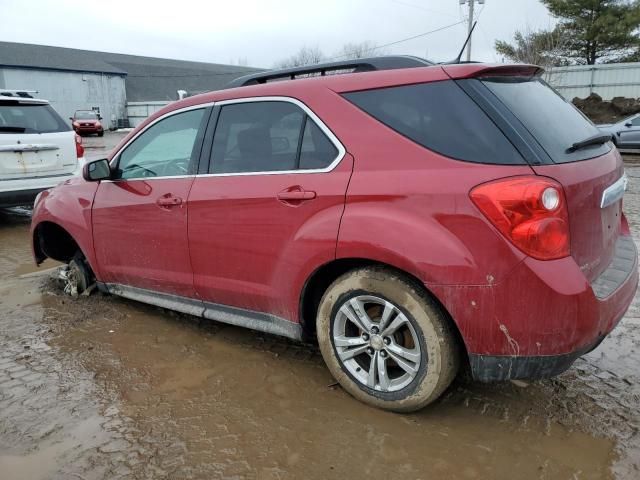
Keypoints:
pixel 105 388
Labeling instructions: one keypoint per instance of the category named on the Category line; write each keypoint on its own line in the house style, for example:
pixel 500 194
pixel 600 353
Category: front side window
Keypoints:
pixel 636 122
pixel 163 150
pixel 269 136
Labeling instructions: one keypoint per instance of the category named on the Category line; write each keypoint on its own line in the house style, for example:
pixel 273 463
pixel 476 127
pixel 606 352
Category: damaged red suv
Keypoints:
pixel 413 218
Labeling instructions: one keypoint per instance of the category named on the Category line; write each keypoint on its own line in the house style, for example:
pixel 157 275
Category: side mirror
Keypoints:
pixel 97 170
pixel 71 118
pixel 99 117
pixel 628 124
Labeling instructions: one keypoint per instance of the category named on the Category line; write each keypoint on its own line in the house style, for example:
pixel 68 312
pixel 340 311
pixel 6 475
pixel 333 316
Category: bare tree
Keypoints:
pixel 536 47
pixel 305 56
pixel 360 50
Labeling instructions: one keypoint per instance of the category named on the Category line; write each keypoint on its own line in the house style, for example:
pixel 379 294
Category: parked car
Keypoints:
pixel 87 122
pixel 625 133
pixel 38 150
pixel 412 220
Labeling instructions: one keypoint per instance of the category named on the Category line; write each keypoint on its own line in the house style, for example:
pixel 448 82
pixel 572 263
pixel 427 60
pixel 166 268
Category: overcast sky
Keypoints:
pixel 263 32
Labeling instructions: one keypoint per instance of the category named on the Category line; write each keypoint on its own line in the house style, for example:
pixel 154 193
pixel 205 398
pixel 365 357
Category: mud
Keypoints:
pixel 101 387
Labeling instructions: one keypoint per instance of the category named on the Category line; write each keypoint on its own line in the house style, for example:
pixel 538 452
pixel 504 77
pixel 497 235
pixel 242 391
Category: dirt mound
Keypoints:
pixel 602 111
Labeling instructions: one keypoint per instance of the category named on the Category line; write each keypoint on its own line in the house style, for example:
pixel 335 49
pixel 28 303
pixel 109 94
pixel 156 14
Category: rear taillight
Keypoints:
pixel 79 147
pixel 530 211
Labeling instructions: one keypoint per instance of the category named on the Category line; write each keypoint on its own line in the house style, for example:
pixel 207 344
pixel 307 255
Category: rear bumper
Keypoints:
pixel 21 197
pixel 542 317
pixel 487 368
pixel 23 191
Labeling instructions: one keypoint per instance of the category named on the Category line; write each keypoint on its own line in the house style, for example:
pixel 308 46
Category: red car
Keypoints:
pixel 87 122
pixel 414 218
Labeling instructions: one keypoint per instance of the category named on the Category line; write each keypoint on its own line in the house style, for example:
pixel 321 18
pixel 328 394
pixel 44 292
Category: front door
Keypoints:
pixel 270 207
pixel 629 134
pixel 140 217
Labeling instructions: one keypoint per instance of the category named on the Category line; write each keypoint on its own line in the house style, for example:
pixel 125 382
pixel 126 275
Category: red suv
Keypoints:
pixel 86 122
pixel 414 218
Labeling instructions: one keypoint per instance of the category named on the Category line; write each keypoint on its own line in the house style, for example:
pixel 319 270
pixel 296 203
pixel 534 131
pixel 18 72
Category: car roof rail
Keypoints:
pixel 389 62
pixel 17 93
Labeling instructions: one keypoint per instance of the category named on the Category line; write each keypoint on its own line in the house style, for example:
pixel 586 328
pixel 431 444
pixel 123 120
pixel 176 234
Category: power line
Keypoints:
pixel 378 47
pixel 248 71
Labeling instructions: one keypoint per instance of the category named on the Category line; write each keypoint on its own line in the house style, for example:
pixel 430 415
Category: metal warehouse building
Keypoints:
pixel 120 87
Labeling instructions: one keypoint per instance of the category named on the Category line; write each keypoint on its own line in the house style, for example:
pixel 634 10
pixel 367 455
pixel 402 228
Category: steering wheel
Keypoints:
pixel 146 173
pixel 176 167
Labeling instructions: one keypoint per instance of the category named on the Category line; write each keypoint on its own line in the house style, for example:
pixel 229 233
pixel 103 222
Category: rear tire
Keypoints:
pixel 385 340
pixel 100 134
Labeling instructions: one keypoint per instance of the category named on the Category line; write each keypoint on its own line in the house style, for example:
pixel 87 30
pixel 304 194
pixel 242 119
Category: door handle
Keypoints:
pixel 296 194
pixel 168 201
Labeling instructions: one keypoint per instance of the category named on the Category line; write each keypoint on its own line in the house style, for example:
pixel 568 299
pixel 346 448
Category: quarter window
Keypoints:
pixel 269 136
pixel 317 150
pixel 165 149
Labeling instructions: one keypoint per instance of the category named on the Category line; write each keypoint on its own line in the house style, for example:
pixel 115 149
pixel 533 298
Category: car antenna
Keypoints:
pixel 466 42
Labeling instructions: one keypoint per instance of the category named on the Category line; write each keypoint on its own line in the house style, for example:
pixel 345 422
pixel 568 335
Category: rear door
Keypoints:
pixel 34 141
pixel 140 217
pixel 555 125
pixel 269 207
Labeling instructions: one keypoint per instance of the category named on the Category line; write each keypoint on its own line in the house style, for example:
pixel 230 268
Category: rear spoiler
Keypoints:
pixel 492 71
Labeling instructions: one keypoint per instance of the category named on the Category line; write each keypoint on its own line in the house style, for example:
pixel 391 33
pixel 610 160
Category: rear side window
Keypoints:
pixel 269 136
pixel 16 117
pixel 441 117
pixel 553 121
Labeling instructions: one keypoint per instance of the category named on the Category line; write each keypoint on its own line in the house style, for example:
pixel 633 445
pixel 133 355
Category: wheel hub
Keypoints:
pixel 376 343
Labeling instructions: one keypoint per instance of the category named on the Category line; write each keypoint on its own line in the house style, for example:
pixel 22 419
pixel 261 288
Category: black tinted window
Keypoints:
pixel 265 137
pixel 18 117
pixel 440 117
pixel 554 122
pixel 317 150
pixel 257 137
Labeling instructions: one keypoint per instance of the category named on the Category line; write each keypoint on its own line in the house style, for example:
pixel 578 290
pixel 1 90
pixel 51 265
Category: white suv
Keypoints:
pixel 38 150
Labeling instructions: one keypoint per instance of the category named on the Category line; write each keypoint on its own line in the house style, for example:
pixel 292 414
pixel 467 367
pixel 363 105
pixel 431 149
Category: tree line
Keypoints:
pixel 587 32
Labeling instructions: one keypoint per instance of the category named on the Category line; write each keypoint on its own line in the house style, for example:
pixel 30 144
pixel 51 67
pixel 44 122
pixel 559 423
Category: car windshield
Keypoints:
pixel 553 121
pixel 86 115
pixel 16 117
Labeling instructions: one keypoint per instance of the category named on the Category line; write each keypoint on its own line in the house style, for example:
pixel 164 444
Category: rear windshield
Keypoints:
pixel 553 121
pixel 441 117
pixel 16 117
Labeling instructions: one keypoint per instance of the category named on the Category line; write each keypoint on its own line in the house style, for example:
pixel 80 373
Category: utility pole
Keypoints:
pixel 470 23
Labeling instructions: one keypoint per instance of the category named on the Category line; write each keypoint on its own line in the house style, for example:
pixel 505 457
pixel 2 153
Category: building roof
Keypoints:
pixel 147 78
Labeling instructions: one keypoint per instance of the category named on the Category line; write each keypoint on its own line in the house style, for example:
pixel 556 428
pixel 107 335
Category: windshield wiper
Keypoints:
pixel 12 129
pixel 597 139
